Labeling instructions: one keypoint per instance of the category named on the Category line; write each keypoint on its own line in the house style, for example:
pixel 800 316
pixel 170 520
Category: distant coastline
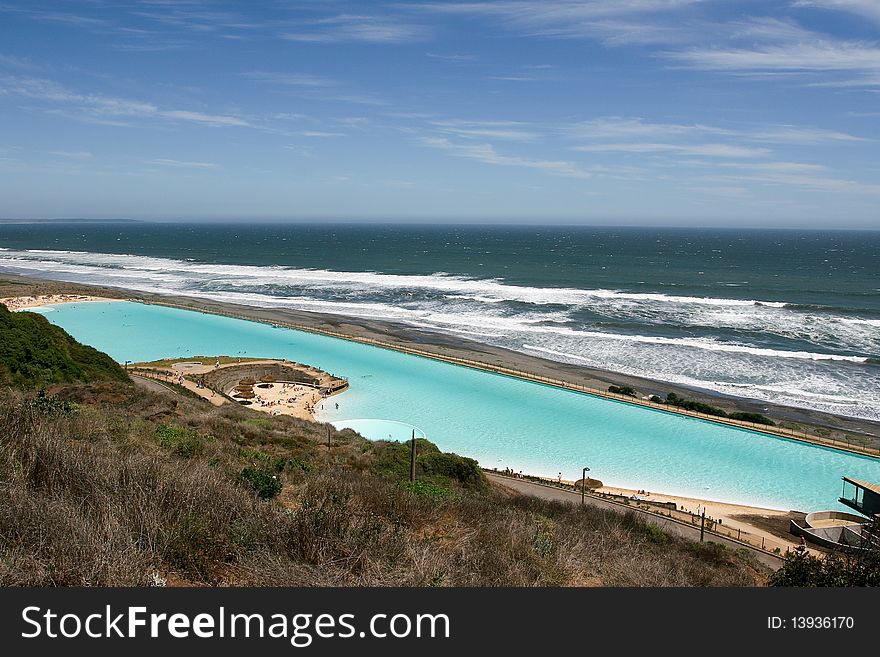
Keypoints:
pixel 62 220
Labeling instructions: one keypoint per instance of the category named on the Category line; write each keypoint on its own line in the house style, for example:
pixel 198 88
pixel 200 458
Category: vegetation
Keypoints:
pixel 35 354
pixel 622 390
pixel 115 485
pixel 852 568
pixel 699 407
pixel 139 487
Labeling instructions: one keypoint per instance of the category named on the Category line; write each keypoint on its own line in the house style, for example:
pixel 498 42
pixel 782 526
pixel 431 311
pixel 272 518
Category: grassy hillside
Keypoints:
pixel 110 485
pixel 34 353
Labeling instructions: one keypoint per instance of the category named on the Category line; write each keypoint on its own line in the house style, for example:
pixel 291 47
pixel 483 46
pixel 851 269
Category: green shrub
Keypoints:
pixel 264 483
pixel 51 407
pixel 425 489
pixel 756 418
pixel 35 353
pixel 622 390
pixel 699 407
pixel 182 441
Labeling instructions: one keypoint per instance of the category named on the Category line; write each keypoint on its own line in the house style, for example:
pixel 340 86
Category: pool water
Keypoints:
pixel 500 421
pixel 378 429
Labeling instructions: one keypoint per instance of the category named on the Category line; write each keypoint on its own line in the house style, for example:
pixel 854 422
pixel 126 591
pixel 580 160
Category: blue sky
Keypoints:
pixel 679 112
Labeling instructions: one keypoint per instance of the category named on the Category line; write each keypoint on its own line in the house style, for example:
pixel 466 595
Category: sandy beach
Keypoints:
pixel 24 302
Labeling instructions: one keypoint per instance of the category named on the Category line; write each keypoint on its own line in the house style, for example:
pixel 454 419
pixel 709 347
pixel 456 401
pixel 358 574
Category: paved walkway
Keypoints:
pixel 668 525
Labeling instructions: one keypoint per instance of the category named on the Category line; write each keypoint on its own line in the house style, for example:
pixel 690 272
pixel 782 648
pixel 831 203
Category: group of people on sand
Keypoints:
pixel 15 303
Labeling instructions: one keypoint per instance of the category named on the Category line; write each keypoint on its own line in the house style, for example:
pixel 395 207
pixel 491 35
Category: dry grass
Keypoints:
pixel 95 499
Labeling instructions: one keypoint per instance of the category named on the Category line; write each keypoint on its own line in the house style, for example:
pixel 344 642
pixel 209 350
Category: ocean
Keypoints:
pixel 789 317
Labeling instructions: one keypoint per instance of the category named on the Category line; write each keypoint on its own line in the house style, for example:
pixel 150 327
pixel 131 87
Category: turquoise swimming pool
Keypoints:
pixel 500 421
pixel 379 429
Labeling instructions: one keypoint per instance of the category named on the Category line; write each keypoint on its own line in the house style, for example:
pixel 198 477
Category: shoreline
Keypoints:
pixel 722 509
pixel 26 302
pixel 851 434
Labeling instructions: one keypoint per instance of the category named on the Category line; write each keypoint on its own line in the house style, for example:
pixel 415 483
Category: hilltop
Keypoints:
pixel 34 354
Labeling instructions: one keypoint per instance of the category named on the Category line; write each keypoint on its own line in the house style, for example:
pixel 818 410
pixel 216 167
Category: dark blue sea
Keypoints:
pixel 791 317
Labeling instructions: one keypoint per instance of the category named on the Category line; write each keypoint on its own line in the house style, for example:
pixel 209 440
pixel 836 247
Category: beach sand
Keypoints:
pixel 35 301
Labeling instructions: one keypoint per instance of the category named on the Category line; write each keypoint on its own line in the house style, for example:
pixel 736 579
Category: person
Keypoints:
pixel 337 406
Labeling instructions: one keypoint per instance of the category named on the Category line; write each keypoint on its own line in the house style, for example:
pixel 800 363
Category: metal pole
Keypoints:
pixel 702 524
pixel 584 485
pixel 412 458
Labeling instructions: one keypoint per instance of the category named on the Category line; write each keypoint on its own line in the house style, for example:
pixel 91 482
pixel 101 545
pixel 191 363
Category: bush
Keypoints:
pixel 51 407
pixel 688 404
pixel 35 353
pixel 622 390
pixel 182 441
pixel 265 484
pixel 756 418
pixel 424 489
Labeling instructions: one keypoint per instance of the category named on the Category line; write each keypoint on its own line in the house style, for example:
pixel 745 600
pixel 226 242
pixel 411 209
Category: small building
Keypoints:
pixel 861 496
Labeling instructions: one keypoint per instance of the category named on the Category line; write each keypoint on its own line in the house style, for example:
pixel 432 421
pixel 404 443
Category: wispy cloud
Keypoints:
pixel 767 46
pixel 804 175
pixel 507 130
pixel 166 162
pixel 320 134
pixel 707 150
pixel 638 129
pixel 73 155
pixel 450 57
pixel 612 21
pixel 101 107
pixel 291 79
pixel 866 8
pixel 616 127
pixel 486 153
pixel 357 28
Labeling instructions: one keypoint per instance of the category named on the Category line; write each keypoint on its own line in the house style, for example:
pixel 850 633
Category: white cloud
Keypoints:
pixel 820 55
pixel 97 107
pixel 613 21
pixel 507 130
pixel 867 8
pixel 486 153
pixel 73 155
pixel 617 127
pixel 357 28
pixel 708 150
pixel 320 133
pixel 291 79
pixel 165 162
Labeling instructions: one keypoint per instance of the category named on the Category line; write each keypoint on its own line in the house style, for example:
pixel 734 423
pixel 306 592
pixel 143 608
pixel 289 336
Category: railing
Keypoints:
pixel 774 546
pixel 778 431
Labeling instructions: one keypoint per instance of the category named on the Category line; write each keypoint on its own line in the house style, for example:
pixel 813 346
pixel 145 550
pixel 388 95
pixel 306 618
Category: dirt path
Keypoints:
pixel 674 527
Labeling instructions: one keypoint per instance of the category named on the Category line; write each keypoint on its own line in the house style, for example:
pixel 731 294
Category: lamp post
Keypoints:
pixel 584 485
pixel 412 459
